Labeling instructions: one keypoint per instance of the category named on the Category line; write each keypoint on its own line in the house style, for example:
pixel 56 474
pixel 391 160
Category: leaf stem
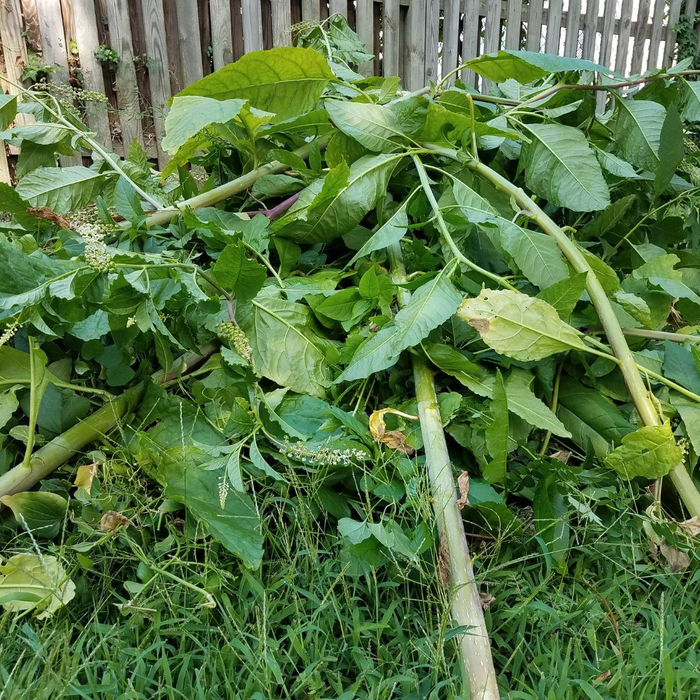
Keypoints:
pixel 34 400
pixel 474 646
pixel 442 226
pixel 236 186
pixel 661 335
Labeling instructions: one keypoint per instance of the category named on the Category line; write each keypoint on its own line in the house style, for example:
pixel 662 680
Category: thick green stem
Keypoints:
pixel 474 647
pixel 34 400
pixel 616 338
pixel 64 446
pixel 229 189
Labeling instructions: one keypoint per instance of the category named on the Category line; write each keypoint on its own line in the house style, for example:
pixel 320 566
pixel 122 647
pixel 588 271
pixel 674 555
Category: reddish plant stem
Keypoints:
pixel 278 208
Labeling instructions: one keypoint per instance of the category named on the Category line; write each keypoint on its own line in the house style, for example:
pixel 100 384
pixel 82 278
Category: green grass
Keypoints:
pixel 617 625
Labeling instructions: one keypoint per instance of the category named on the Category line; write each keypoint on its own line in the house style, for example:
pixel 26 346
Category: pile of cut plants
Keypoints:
pixel 328 405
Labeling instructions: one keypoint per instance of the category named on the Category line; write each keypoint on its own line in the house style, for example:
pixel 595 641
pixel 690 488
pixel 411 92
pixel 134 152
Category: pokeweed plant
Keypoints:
pixel 517 269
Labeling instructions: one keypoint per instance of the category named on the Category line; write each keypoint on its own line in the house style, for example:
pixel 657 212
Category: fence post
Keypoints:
pixel 414 62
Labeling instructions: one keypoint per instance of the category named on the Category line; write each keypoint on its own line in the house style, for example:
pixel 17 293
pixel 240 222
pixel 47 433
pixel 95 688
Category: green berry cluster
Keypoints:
pixel 233 335
pixel 68 93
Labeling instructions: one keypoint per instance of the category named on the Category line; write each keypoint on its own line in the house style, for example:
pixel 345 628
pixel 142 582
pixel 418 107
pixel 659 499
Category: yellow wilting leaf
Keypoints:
pixel 86 473
pixel 393 439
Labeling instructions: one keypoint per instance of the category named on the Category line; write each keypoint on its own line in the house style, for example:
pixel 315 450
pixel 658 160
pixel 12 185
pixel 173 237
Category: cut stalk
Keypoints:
pixel 59 450
pixel 475 651
pixel 229 189
pixel 616 338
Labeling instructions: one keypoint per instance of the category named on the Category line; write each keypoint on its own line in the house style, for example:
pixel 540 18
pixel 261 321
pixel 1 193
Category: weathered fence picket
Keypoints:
pixel 164 45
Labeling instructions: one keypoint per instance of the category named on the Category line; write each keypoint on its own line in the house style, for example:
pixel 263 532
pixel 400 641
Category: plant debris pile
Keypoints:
pixel 324 261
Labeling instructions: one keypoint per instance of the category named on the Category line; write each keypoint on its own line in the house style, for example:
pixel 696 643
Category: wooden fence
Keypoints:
pixel 163 45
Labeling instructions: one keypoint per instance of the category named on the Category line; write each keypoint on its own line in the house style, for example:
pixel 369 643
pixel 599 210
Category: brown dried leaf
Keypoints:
pixel 111 520
pixel 86 473
pixel 691 527
pixel 677 560
pixel 562 455
pixel 49 215
pixel 486 600
pixel 443 569
pixel 463 486
pixel 396 440
pixel 604 676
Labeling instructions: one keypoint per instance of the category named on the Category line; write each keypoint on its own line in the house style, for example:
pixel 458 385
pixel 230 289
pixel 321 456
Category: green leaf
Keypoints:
pixel 527 66
pixel 8 110
pixel 524 403
pixel 608 219
pixel 638 131
pixel 392 231
pixel 614 164
pixel 495 471
pixel 518 326
pixel 466 372
pixel 261 463
pixel 536 254
pixel 430 306
pixel 235 523
pixel 61 189
pixel 561 167
pixel 235 272
pixel 650 452
pixel 41 512
pixel 680 367
pixel 691 100
pixel 672 148
pixel 552 519
pixel 374 126
pixel 591 418
pixel 287 81
pixel 286 347
pixel 690 414
pixel 565 294
pixel 34 582
pixel 189 115
pixel 316 218
pixel 8 405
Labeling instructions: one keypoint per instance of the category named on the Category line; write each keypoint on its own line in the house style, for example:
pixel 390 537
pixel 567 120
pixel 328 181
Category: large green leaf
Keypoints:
pixel 524 403
pixel 671 147
pixel 519 326
pixel 233 521
pixel 234 271
pixel 561 167
pixel 392 231
pixel 374 126
pixel 650 451
pixel 8 110
pixel 591 418
pixel 430 306
pixel 495 471
pixel 286 347
pixel 287 81
pixel 638 131
pixel 552 519
pixel 62 189
pixel 189 115
pixel 41 512
pixel 466 372
pixel 317 218
pixel 565 294
pixel 527 66
pixel 34 582
pixel 691 100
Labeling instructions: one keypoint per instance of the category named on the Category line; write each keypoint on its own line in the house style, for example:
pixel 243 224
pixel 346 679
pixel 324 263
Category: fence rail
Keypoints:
pixel 160 46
